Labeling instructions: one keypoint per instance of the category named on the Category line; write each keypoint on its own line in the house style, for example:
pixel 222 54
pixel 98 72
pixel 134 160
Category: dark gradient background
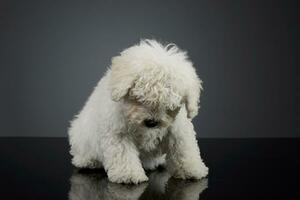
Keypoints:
pixel 52 54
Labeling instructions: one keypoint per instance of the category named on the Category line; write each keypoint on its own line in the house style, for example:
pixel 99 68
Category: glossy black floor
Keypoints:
pixel 36 168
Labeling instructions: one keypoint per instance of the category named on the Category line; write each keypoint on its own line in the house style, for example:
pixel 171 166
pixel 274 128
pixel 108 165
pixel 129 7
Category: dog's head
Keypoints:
pixel 154 81
pixel 147 118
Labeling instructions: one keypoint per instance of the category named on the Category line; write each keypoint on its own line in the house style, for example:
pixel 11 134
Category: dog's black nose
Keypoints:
pixel 150 123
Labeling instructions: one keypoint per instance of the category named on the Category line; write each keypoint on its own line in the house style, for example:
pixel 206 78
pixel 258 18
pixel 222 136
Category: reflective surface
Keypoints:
pixel 35 168
pixel 94 185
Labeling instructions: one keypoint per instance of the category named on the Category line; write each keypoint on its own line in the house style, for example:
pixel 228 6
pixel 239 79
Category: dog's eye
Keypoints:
pixel 150 123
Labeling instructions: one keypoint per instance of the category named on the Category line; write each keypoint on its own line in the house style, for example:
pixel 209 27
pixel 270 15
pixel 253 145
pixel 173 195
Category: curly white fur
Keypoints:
pixel 146 81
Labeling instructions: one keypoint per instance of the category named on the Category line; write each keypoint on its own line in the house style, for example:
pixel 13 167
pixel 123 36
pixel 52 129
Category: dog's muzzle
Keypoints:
pixel 151 123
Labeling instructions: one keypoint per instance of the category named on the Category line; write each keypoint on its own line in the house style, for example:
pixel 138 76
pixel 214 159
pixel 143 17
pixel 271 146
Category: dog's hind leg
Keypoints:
pixel 85 162
pixel 84 159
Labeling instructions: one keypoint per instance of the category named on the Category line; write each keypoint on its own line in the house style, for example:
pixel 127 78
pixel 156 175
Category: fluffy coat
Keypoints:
pixel 147 81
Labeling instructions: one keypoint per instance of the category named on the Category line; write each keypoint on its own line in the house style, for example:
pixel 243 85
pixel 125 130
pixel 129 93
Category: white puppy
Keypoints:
pixel 139 117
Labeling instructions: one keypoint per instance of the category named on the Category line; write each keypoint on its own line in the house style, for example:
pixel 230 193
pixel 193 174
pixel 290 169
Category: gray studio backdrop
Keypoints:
pixel 52 54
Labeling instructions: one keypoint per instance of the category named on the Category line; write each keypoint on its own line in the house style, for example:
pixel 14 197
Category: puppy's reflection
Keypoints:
pixel 94 185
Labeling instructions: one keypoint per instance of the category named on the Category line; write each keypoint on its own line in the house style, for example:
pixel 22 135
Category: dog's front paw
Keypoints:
pixel 192 172
pixel 198 172
pixel 134 177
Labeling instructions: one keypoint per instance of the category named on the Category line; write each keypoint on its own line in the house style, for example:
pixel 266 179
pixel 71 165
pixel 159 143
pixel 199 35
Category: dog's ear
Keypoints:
pixel 122 78
pixel 192 98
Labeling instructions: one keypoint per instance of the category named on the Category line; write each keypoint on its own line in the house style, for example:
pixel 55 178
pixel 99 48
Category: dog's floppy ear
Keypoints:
pixel 122 78
pixel 192 98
